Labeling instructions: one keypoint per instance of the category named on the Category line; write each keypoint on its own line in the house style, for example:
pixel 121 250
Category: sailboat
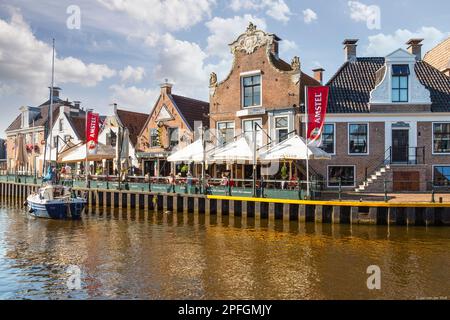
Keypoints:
pixel 53 201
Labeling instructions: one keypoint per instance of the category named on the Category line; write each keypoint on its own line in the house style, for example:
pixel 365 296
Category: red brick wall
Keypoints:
pixel 278 88
pixel 144 137
pixel 375 156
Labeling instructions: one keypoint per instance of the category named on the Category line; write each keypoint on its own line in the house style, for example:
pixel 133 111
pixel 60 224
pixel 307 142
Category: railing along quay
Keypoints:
pixel 301 211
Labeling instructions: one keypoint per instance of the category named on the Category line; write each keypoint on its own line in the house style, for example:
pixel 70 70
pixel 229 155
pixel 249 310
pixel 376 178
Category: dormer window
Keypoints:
pixel 400 75
pixel 251 87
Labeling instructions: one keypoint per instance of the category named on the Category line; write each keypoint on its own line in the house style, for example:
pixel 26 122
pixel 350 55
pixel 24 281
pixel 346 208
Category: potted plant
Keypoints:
pixel 184 170
pixel 284 174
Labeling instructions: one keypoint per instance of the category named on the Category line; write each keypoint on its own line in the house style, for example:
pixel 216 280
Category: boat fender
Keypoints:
pixel 31 211
pixel 25 203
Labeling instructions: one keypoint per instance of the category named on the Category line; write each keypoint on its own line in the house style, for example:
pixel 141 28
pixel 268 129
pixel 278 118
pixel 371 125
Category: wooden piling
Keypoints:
pixel 410 216
pixel 302 213
pixel 336 215
pixel 354 215
pixel 318 214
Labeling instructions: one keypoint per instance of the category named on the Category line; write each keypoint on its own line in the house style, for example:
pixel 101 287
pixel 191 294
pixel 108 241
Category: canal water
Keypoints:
pixel 126 255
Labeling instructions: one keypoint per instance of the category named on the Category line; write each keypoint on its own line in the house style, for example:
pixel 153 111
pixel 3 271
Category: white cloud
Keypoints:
pixel 171 14
pixel 359 11
pixel 139 99
pixel 277 9
pixel 182 62
pixel 25 62
pixel 287 45
pixel 309 16
pixel 224 31
pixel 130 74
pixel 382 44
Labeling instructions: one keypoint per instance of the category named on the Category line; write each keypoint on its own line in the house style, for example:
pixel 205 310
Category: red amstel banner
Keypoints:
pixel 92 130
pixel 317 110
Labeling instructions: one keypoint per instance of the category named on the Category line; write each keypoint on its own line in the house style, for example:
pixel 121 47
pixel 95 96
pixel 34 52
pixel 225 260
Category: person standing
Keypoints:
pixel 172 183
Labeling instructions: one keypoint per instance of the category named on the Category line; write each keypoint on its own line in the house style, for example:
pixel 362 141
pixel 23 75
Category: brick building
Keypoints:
pixel 32 124
pixel 439 57
pixel 261 88
pixel 169 127
pixel 134 122
pixel 389 119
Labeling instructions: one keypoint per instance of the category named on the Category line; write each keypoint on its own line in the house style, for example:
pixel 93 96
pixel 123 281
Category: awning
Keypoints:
pixel 238 150
pixel 293 148
pixel 191 153
pixel 78 154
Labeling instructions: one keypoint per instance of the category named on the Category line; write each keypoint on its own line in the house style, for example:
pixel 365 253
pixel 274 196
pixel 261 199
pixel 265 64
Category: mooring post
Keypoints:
pixel 373 212
pixel 430 216
pixel 175 203
pixel 354 215
pixel 219 207
pixel 231 207
pixel 97 199
pixel 336 215
pixel 318 214
pixel 196 205
pixel 271 213
pixel 164 202
pixel 244 209
pixel 286 212
pixel 128 201
pixel 185 204
pixel 146 196
pixel 410 216
pixel 392 215
pixel 257 210
pixel 302 213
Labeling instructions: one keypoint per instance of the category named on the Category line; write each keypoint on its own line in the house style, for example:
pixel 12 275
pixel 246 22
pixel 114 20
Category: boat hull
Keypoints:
pixel 61 211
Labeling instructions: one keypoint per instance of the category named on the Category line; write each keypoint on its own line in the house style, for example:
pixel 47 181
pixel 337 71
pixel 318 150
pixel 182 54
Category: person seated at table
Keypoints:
pixel 293 182
pixel 224 181
pixel 189 179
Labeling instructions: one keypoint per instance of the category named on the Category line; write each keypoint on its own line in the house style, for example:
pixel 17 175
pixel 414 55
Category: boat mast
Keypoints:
pixel 50 113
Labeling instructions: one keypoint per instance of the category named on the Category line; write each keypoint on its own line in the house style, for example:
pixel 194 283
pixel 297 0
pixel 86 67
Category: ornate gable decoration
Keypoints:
pixel 251 40
pixel 417 93
pixel 164 115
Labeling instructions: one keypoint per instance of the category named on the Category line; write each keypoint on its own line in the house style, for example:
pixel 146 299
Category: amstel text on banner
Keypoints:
pixel 317 110
pixel 92 130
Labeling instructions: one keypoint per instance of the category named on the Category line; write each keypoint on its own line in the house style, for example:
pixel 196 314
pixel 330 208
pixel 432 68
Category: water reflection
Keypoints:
pixel 150 255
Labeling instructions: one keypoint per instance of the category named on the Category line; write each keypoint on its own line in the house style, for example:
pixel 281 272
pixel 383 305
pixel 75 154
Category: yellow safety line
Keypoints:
pixel 338 203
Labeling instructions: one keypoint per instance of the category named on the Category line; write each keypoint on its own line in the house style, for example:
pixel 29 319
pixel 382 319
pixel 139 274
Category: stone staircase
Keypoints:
pixel 375 183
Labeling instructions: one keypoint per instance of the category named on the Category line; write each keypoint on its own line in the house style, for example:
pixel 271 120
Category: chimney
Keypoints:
pixel 56 91
pixel 166 88
pixel 318 74
pixel 415 48
pixel 350 49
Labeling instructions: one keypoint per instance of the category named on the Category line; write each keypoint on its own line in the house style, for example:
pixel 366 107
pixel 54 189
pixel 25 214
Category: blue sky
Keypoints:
pixel 124 49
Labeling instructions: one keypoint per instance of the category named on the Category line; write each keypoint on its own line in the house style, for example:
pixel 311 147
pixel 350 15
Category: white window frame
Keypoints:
pixel 344 165
pixel 432 139
pixel 432 176
pixel 368 139
pixel 253 119
pixel 334 139
pixel 251 74
pixel 275 126
pixel 225 121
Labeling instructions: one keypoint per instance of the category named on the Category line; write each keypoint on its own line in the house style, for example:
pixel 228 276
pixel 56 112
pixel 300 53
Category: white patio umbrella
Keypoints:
pixel 191 153
pixel 238 150
pixel 293 148
pixel 78 154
